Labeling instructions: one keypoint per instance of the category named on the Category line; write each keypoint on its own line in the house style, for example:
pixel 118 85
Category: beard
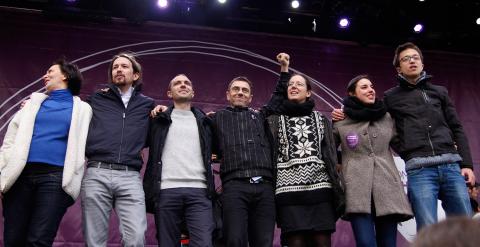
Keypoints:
pixel 121 81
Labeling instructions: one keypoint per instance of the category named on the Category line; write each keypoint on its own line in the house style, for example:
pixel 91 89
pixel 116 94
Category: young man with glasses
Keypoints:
pixel 432 141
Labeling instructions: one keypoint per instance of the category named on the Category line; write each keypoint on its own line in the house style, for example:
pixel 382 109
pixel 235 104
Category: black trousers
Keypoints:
pixel 184 205
pixel 248 213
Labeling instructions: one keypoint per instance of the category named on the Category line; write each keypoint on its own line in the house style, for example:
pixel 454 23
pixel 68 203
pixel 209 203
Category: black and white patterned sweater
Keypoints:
pixel 302 177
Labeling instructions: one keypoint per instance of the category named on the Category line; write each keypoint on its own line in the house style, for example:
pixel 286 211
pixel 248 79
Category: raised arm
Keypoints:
pixel 280 92
pixel 284 61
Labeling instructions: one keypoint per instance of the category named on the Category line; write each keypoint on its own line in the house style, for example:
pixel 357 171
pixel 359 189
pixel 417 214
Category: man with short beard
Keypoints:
pixel 117 135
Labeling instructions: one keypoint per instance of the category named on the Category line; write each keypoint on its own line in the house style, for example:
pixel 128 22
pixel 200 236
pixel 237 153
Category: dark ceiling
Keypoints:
pixel 448 25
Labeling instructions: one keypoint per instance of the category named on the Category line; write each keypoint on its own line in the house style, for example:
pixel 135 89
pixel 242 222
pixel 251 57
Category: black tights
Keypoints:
pixel 309 238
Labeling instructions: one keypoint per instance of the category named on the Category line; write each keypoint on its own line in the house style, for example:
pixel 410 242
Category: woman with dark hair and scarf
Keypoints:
pixel 375 198
pixel 307 186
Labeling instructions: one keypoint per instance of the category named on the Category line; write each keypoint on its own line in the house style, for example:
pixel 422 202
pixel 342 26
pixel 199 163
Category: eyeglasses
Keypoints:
pixel 236 89
pixel 406 59
pixel 298 84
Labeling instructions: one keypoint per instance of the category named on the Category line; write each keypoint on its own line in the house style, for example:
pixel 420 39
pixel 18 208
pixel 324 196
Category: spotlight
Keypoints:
pixel 295 4
pixel 344 23
pixel 418 28
pixel 478 21
pixel 222 1
pixel 162 3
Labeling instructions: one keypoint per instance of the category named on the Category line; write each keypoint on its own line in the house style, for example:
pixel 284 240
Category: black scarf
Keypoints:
pixel 293 109
pixel 359 111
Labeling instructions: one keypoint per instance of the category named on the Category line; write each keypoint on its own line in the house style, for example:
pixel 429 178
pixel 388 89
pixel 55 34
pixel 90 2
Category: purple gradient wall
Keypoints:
pixel 29 43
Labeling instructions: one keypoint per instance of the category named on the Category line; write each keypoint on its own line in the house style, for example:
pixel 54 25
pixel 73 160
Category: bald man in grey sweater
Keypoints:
pixel 178 182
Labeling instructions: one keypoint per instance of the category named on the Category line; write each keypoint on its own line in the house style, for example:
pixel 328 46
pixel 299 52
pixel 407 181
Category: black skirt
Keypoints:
pixel 316 217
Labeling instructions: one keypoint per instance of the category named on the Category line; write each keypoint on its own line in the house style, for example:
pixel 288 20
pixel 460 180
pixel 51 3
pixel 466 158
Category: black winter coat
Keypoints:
pixel 426 121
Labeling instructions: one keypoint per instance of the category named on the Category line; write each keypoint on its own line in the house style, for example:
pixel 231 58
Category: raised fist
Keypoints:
pixel 283 59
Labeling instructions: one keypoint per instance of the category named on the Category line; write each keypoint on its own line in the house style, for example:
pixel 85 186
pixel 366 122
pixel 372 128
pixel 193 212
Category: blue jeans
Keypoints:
pixel 372 231
pixel 189 205
pixel 444 182
pixel 34 207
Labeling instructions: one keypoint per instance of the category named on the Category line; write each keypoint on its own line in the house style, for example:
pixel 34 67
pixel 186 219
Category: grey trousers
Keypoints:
pixel 104 189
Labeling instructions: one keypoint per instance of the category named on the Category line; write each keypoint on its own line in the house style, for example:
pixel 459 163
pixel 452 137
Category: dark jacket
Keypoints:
pixel 426 121
pixel 243 141
pixel 159 127
pixel 118 134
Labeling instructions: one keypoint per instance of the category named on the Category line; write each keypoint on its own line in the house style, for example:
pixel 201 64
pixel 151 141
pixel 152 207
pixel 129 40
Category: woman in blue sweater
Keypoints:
pixel 41 159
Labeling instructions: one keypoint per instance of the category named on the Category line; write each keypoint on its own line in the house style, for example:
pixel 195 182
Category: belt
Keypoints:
pixel 255 180
pixel 111 166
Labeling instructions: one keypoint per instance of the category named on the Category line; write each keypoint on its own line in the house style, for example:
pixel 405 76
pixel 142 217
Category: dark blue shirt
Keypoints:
pixel 50 132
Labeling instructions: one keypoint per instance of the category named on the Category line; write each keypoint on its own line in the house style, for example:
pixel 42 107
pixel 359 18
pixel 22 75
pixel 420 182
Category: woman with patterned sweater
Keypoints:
pixel 375 198
pixel 307 187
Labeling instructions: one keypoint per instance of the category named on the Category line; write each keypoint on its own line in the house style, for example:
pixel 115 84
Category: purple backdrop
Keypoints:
pixel 211 58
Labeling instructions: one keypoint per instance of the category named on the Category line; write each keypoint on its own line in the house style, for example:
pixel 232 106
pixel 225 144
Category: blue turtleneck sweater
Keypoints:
pixel 50 133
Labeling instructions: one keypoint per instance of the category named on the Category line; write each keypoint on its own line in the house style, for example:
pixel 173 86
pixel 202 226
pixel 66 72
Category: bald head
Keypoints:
pixel 180 89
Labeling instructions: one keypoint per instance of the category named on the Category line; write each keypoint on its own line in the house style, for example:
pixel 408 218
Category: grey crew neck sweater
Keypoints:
pixel 182 156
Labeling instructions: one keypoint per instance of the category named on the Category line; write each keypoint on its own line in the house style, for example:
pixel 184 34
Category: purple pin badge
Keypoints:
pixel 352 140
